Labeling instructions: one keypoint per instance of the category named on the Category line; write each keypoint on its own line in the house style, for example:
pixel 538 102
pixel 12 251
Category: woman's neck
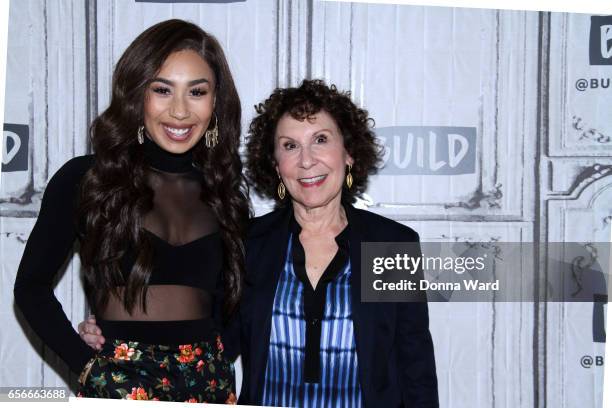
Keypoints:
pixel 328 218
pixel 163 160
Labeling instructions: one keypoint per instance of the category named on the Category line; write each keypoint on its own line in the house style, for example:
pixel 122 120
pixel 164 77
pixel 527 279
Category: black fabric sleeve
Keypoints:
pixel 48 247
pixel 416 362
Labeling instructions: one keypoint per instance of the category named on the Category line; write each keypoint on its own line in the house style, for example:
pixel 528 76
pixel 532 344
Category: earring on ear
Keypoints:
pixel 281 189
pixel 212 135
pixel 349 177
pixel 140 135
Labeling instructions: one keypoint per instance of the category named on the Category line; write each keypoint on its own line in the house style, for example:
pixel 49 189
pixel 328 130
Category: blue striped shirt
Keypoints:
pixel 338 379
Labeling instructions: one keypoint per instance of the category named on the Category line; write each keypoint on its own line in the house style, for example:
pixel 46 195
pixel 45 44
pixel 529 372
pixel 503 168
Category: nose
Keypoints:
pixel 307 159
pixel 178 108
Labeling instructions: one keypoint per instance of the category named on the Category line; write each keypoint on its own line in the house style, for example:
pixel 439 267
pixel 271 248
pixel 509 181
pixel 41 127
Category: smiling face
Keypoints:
pixel 311 159
pixel 179 102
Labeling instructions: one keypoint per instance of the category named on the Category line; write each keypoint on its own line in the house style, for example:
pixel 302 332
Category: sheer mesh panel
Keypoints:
pixel 165 302
pixel 178 217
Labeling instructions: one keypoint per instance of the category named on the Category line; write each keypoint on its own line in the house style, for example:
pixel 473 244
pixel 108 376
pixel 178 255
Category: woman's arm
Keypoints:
pixel 417 367
pixel 50 243
pixel 416 363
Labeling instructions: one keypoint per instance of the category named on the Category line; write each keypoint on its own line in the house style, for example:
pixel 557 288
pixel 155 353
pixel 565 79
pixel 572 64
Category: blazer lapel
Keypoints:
pixel 268 262
pixel 357 235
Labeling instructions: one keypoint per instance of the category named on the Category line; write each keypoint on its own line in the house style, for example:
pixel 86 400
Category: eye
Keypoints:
pixel 321 139
pixel 289 145
pixel 198 92
pixel 162 90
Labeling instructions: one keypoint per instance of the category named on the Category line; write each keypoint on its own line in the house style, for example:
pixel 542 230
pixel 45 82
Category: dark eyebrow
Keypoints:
pixel 190 83
pixel 315 134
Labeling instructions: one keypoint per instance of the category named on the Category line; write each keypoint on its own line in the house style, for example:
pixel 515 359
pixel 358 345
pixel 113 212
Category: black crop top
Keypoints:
pixel 186 281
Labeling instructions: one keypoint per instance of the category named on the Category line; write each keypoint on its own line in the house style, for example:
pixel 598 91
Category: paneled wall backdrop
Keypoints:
pixel 517 104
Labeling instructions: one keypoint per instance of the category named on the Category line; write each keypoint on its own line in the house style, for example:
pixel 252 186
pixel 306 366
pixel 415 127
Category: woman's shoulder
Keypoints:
pixel 60 197
pixel 385 226
pixel 263 223
pixel 76 167
pixel 70 174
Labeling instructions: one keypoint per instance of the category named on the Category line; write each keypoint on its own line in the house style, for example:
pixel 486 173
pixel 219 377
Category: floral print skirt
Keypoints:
pixel 196 372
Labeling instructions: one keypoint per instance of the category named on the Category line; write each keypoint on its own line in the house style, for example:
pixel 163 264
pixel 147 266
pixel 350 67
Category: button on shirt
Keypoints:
pixel 312 360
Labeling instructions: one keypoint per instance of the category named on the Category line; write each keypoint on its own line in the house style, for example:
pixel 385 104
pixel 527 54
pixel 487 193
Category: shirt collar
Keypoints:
pixel 162 160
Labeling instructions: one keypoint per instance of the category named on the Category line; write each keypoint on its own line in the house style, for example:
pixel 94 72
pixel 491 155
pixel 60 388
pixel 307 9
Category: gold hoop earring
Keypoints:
pixel 212 135
pixel 349 177
pixel 140 135
pixel 281 190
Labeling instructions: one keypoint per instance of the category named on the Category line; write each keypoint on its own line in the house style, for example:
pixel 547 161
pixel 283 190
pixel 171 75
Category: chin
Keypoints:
pixel 314 197
pixel 314 202
pixel 177 147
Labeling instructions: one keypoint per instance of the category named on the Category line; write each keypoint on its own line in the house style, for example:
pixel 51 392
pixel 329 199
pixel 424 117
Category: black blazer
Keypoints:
pixel 394 347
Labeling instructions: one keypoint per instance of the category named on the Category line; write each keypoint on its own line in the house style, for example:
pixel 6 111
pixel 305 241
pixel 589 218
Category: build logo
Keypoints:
pixel 428 150
pixel 15 147
pixel 600 41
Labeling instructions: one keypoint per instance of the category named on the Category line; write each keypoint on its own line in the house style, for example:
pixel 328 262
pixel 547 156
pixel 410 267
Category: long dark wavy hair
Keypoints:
pixel 114 194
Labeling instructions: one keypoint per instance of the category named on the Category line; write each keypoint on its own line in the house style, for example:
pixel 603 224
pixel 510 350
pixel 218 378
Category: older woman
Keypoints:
pixel 306 338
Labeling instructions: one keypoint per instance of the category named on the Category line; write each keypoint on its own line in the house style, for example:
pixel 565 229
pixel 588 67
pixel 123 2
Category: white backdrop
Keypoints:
pixel 507 85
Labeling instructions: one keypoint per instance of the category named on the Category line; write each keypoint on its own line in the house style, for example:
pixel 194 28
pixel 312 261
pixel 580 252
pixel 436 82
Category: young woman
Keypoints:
pixel 160 211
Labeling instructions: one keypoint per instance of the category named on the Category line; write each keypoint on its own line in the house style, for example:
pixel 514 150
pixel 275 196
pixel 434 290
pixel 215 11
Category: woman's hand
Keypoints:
pixel 91 334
